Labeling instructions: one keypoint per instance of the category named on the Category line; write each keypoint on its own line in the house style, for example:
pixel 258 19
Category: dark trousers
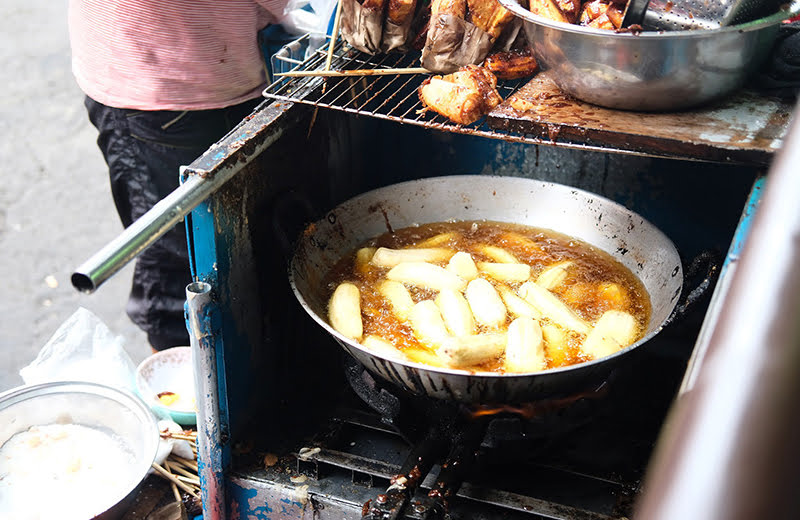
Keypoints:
pixel 143 150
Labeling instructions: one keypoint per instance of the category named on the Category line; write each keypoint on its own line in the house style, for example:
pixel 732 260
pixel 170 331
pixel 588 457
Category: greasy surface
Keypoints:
pixel 536 247
pixel 743 127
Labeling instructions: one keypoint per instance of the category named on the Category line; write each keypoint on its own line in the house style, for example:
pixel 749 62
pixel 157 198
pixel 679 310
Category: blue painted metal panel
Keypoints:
pixel 745 222
pixel 214 456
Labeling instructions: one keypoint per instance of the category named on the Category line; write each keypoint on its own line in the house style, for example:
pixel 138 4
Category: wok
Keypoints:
pixel 628 237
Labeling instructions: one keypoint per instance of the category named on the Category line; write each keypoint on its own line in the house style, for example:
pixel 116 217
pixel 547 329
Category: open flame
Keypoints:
pixel 538 408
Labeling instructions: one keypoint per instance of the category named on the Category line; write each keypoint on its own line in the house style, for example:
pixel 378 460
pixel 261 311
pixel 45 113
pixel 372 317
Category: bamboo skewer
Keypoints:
pixel 180 470
pixel 328 59
pixel 172 484
pixel 172 478
pixel 354 72
pixel 179 436
pixel 334 35
pixel 186 462
pixel 192 481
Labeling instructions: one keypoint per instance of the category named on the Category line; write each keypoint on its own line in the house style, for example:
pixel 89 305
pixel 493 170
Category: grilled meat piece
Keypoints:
pixel 512 64
pixel 400 11
pixel 570 9
pixel 602 14
pixel 374 5
pixel 549 9
pixel 489 15
pixel 457 8
pixel 463 96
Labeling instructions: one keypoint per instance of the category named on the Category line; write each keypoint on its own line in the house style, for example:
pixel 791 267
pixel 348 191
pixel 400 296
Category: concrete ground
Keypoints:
pixel 55 204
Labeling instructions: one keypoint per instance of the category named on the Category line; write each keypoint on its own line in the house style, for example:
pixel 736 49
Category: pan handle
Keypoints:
pixel 704 269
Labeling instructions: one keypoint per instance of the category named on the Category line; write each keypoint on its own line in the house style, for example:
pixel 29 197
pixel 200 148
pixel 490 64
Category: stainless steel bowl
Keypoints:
pixel 100 407
pixel 650 71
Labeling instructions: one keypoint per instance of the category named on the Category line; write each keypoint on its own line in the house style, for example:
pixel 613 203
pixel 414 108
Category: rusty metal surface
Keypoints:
pixel 338 484
pixel 744 127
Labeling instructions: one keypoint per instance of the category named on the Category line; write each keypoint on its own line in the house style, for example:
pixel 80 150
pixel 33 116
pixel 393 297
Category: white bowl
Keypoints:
pixel 169 371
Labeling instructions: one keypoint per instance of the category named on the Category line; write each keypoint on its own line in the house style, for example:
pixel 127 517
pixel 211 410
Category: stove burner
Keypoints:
pixel 382 453
pixel 527 421
pixel 460 436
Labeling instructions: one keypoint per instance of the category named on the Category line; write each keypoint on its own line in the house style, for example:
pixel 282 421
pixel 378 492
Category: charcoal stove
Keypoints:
pixel 291 428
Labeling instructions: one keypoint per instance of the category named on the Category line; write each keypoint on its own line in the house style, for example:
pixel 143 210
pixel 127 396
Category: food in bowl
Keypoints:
pixel 486 296
pixel 165 380
pixel 82 472
pixel 600 14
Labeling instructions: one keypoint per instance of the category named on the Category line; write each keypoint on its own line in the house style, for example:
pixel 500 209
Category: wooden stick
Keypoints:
pixel 189 480
pixel 186 462
pixel 179 469
pixel 172 485
pixel 354 72
pixel 334 36
pixel 172 478
pixel 178 436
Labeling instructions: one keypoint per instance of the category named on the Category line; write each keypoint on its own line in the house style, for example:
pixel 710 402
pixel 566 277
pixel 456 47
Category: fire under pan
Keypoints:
pixel 745 128
pixel 583 461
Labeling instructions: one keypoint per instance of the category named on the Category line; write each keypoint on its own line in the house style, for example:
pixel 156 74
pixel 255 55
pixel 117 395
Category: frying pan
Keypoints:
pixel 628 237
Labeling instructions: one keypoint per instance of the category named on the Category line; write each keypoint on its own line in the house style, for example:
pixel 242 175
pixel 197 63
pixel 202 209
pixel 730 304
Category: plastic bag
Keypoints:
pixel 83 349
pixel 308 16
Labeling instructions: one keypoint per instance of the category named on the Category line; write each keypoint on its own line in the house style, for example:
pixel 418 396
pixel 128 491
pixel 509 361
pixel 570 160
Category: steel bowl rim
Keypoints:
pixel 528 16
pixel 344 340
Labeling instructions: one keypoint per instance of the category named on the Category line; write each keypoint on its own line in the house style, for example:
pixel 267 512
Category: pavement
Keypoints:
pixel 55 203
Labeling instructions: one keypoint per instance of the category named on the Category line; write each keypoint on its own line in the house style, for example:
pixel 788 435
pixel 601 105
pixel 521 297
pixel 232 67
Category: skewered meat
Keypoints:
pixel 489 15
pixel 463 96
pixel 602 14
pixel 512 64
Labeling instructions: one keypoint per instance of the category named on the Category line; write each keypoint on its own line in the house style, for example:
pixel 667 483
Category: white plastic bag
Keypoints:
pixel 83 349
pixel 297 20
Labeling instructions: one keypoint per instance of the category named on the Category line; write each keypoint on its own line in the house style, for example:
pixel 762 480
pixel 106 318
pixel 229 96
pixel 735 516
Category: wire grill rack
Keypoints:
pixel 391 97
pixel 394 97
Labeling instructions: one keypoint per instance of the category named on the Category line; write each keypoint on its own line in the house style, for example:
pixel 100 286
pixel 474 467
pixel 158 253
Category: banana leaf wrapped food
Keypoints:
pixel 461 32
pixel 362 24
pixel 375 26
pixel 457 32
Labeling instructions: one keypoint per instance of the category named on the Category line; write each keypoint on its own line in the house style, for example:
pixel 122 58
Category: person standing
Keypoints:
pixel 164 80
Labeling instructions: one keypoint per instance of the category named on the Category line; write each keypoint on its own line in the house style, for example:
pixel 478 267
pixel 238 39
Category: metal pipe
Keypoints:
pixel 729 447
pixel 148 228
pixel 203 320
pixel 202 178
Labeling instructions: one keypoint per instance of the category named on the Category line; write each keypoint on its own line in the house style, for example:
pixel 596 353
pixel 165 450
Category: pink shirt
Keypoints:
pixel 170 54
